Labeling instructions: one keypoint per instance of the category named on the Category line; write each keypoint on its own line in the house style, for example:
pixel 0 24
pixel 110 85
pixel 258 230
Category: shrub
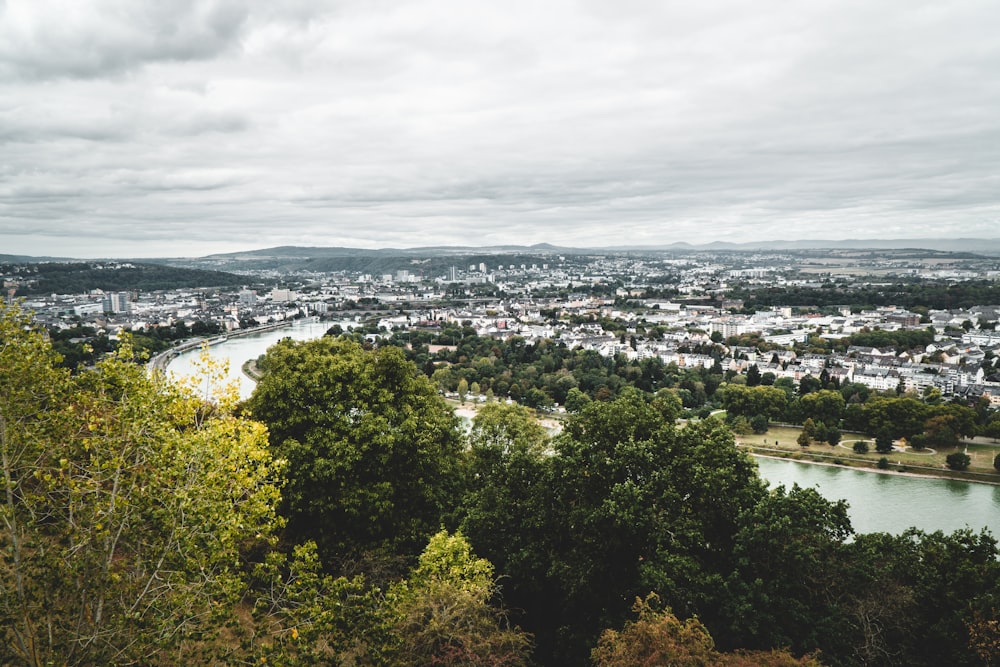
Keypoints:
pixel 958 461
pixel 861 447
pixel 883 463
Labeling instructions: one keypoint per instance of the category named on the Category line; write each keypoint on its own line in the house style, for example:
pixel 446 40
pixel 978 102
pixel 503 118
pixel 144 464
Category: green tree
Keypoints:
pixel 996 462
pixel 779 596
pixel 739 400
pixel 759 424
pixel 860 447
pixel 883 441
pixel 599 518
pixel 941 431
pixel 463 390
pixel 825 406
pixel 576 400
pixel 374 455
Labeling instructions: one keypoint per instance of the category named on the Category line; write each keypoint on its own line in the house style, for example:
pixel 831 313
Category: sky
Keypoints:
pixel 144 128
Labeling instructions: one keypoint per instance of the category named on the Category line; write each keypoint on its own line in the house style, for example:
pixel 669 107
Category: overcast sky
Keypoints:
pixel 139 128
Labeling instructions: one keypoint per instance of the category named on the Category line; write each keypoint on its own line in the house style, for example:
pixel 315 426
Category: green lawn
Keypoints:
pixel 783 439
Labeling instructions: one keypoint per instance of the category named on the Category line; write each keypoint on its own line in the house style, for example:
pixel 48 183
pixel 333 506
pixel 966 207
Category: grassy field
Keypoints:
pixel 781 441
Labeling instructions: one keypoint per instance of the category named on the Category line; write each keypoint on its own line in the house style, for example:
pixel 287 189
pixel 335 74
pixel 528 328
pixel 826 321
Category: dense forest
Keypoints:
pixel 342 515
pixel 81 277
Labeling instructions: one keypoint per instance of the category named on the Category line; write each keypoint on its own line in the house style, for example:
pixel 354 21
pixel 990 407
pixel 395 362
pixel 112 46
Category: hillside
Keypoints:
pixel 74 277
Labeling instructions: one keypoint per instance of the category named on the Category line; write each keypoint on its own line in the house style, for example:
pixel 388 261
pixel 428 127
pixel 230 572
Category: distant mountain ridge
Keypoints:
pixel 987 246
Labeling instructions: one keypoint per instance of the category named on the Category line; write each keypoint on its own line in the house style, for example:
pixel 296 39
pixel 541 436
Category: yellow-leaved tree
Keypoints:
pixel 127 504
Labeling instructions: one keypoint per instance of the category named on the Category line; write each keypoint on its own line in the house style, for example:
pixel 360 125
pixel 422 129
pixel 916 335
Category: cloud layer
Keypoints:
pixel 149 128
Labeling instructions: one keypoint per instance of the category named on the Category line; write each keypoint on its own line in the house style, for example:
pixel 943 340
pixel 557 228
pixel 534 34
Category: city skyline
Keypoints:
pixel 144 129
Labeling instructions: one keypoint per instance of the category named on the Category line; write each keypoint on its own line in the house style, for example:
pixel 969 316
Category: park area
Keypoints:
pixel 782 441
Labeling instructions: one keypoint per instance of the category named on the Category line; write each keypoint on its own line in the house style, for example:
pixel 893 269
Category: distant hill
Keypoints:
pixel 981 246
pixel 436 260
pixel 110 276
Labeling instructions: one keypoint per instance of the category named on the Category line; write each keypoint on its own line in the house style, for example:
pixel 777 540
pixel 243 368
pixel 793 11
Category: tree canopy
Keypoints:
pixel 374 455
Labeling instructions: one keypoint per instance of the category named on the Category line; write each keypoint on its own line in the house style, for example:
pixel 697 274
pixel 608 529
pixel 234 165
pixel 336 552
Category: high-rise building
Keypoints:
pixel 117 302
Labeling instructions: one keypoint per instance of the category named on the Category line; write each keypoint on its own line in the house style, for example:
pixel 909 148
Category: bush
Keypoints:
pixel 996 462
pixel 958 461
pixel 861 447
pixel 883 463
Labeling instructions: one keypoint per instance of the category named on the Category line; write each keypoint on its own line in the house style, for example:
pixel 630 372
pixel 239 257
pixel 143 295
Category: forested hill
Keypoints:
pixel 428 261
pixel 74 277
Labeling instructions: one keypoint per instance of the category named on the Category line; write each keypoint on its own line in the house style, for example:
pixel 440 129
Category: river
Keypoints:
pixel 878 502
pixel 891 503
pixel 236 351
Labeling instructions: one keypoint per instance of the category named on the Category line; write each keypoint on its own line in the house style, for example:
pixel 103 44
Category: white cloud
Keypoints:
pixel 236 124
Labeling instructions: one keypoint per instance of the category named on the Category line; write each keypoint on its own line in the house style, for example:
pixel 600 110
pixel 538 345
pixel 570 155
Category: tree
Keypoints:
pixel 759 424
pixel 833 436
pixel 127 506
pixel 958 461
pixel 753 376
pixel 576 400
pixel 463 390
pixel 743 401
pixel 657 637
pixel 597 518
pixel 803 438
pixel 374 456
pixel 860 447
pixel 442 614
pixel 778 595
pixel 883 441
pixel 809 384
pixel 996 462
pixel 941 431
pixel 826 406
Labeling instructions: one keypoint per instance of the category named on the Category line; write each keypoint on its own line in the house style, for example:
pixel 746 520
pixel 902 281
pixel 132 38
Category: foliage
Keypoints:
pixel 660 638
pixel 958 461
pixel 302 616
pixel 127 506
pixel 739 400
pixel 759 424
pixel 860 447
pixel 627 503
pixel 373 452
pixel 442 614
pixel 779 596
pixel 824 406
pixel 80 277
